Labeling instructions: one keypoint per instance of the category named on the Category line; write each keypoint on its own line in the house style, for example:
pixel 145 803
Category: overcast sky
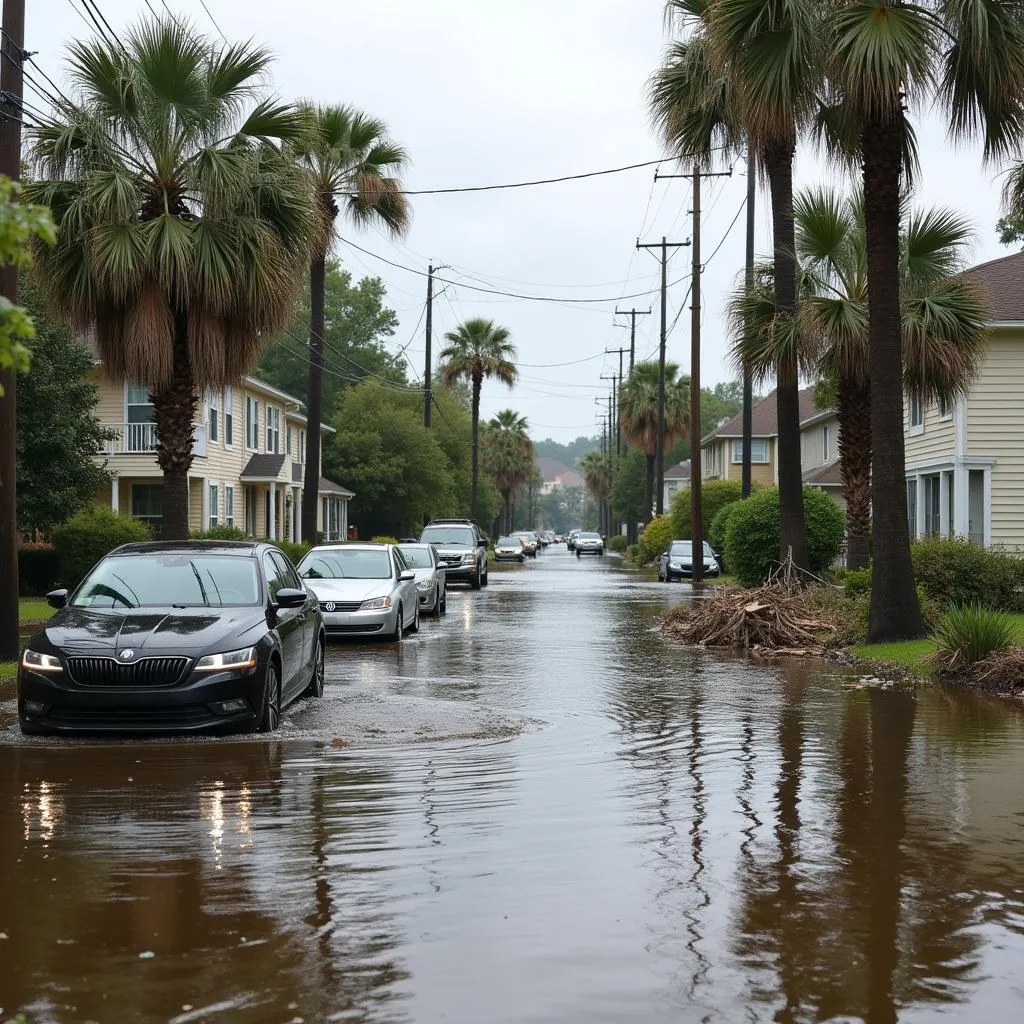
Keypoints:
pixel 485 93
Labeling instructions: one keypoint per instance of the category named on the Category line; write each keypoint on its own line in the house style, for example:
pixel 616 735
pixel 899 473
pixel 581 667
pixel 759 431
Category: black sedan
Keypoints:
pixel 175 637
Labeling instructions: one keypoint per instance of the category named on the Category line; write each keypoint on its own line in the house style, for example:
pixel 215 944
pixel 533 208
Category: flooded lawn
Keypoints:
pixel 536 810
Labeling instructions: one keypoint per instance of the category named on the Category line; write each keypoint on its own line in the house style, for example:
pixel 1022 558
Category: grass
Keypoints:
pixel 912 653
pixel 8 670
pixel 33 609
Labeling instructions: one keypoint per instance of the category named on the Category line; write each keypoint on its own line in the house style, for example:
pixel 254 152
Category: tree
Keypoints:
pixel 57 474
pixel 750 68
pixel 184 230
pixel 477 349
pixel 881 59
pixel 638 413
pixel 507 457
pixel 356 325
pixel 627 497
pixel 597 472
pixel 943 319
pixel 348 156
pixel 1011 229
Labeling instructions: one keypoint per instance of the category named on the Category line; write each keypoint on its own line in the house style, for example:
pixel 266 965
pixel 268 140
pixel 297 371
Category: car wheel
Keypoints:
pixel 442 606
pixel 32 730
pixel 270 716
pixel 475 582
pixel 396 636
pixel 661 576
pixel 485 579
pixel 316 680
pixel 415 627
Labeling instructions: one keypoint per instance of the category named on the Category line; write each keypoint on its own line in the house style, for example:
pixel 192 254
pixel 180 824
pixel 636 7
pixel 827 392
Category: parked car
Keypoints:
pixel 430 576
pixel 589 544
pixel 364 590
pixel 462 549
pixel 530 543
pixel 570 541
pixel 676 561
pixel 174 637
pixel 510 549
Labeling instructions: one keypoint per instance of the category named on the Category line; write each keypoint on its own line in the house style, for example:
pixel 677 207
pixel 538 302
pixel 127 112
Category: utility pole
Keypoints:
pixel 427 396
pixel 748 384
pixel 632 314
pixel 659 457
pixel 613 428
pixel 12 86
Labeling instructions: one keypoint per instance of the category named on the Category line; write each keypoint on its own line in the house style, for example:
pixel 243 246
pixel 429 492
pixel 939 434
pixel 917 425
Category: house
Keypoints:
pixel 965 460
pixel 556 473
pixel 722 449
pixel 249 445
pixel 676 478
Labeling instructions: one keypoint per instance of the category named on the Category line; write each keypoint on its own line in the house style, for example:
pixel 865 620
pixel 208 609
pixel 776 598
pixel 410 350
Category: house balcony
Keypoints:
pixel 140 439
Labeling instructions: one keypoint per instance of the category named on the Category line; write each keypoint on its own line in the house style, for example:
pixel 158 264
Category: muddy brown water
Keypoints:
pixel 537 810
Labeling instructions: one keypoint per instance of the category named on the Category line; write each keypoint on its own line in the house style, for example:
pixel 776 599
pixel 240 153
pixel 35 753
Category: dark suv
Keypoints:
pixel 461 548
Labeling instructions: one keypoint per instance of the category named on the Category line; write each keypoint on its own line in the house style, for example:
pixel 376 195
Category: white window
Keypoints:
pixel 825 453
pixel 912 505
pixel 213 415
pixel 229 505
pixel 252 423
pixel 138 407
pixel 214 491
pixel 140 425
pixel 758 451
pixel 917 409
pixel 301 456
pixel 932 506
pixel 147 503
pixel 288 439
pixel 273 430
pixel 945 408
pixel 229 419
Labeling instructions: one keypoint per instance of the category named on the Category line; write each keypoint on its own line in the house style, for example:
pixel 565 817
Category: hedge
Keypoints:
pixel 295 551
pixel 956 571
pixel 656 537
pixel 38 569
pixel 752 534
pixel 716 535
pixel 219 533
pixel 617 542
pixel 89 535
pixel 715 495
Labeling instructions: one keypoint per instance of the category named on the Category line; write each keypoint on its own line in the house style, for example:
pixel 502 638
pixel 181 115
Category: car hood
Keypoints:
pixel 454 549
pixel 191 631
pixel 350 590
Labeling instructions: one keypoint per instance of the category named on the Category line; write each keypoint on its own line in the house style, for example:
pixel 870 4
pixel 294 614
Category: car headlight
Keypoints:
pixel 469 559
pixel 674 565
pixel 425 584
pixel 375 603
pixel 229 661
pixel 37 662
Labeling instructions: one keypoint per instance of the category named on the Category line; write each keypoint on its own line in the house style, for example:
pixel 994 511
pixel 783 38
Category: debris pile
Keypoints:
pixel 1002 672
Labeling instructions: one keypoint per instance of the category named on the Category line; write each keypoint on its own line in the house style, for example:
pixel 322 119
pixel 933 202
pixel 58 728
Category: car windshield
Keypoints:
pixel 417 556
pixel 172 579
pixel 448 535
pixel 590 536
pixel 342 564
pixel 685 548
pixel 509 542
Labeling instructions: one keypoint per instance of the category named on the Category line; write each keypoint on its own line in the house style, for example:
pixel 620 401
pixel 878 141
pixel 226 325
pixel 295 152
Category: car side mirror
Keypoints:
pixel 57 598
pixel 407 575
pixel 290 597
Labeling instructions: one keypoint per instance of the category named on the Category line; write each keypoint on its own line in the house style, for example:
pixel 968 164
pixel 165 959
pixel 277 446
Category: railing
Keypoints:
pixel 140 439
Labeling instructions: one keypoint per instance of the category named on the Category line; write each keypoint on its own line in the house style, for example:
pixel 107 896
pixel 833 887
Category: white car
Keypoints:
pixel 430 576
pixel 589 544
pixel 363 589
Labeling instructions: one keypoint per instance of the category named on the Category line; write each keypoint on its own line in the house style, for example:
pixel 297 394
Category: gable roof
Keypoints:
pixel 552 468
pixel 1002 285
pixel 681 471
pixel 764 417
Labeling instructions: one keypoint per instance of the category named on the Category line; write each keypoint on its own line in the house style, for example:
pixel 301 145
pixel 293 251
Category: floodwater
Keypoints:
pixel 624 830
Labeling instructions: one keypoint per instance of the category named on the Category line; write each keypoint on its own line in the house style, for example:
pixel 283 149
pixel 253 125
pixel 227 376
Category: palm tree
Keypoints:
pixel 347 156
pixel 943 326
pixel 597 474
pixel 882 59
pixel 184 228
pixel 477 349
pixel 638 413
pixel 508 457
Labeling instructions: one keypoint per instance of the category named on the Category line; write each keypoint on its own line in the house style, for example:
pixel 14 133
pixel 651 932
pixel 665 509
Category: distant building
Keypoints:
pixel 556 473
pixel 677 478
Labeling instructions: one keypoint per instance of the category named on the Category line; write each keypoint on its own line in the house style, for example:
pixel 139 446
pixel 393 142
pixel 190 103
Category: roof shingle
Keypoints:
pixel 765 417
pixel 1002 285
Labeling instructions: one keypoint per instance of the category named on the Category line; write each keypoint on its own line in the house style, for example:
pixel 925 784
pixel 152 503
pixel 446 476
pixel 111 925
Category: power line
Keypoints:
pixel 214 20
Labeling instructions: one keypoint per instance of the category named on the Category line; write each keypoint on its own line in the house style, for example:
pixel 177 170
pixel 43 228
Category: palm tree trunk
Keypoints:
pixel 853 406
pixel 778 162
pixel 314 399
pixel 506 512
pixel 649 486
pixel 475 448
pixel 895 612
pixel 174 409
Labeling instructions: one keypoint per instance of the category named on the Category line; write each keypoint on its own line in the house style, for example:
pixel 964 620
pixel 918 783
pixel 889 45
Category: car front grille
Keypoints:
pixel 132 718
pixel 110 672
pixel 369 627
pixel 340 606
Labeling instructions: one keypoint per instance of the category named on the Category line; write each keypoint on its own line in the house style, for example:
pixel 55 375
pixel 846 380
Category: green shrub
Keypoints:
pixel 90 534
pixel 219 533
pixel 656 537
pixel 968 633
pixel 956 571
pixel 857 582
pixel 633 552
pixel 383 539
pixel 38 569
pixel 716 535
pixel 715 495
pixel 617 542
pixel 294 550
pixel 752 534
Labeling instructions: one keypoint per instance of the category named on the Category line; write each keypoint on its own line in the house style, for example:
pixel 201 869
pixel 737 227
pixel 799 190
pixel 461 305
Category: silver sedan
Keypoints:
pixel 430 576
pixel 363 589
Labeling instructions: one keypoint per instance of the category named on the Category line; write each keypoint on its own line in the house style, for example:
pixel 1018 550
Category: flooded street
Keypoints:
pixel 535 810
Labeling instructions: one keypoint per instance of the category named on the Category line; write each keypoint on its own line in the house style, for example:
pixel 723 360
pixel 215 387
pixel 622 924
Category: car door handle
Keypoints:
pixel 300 618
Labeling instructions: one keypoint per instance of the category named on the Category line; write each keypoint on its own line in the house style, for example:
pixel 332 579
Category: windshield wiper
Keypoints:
pixel 199 580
